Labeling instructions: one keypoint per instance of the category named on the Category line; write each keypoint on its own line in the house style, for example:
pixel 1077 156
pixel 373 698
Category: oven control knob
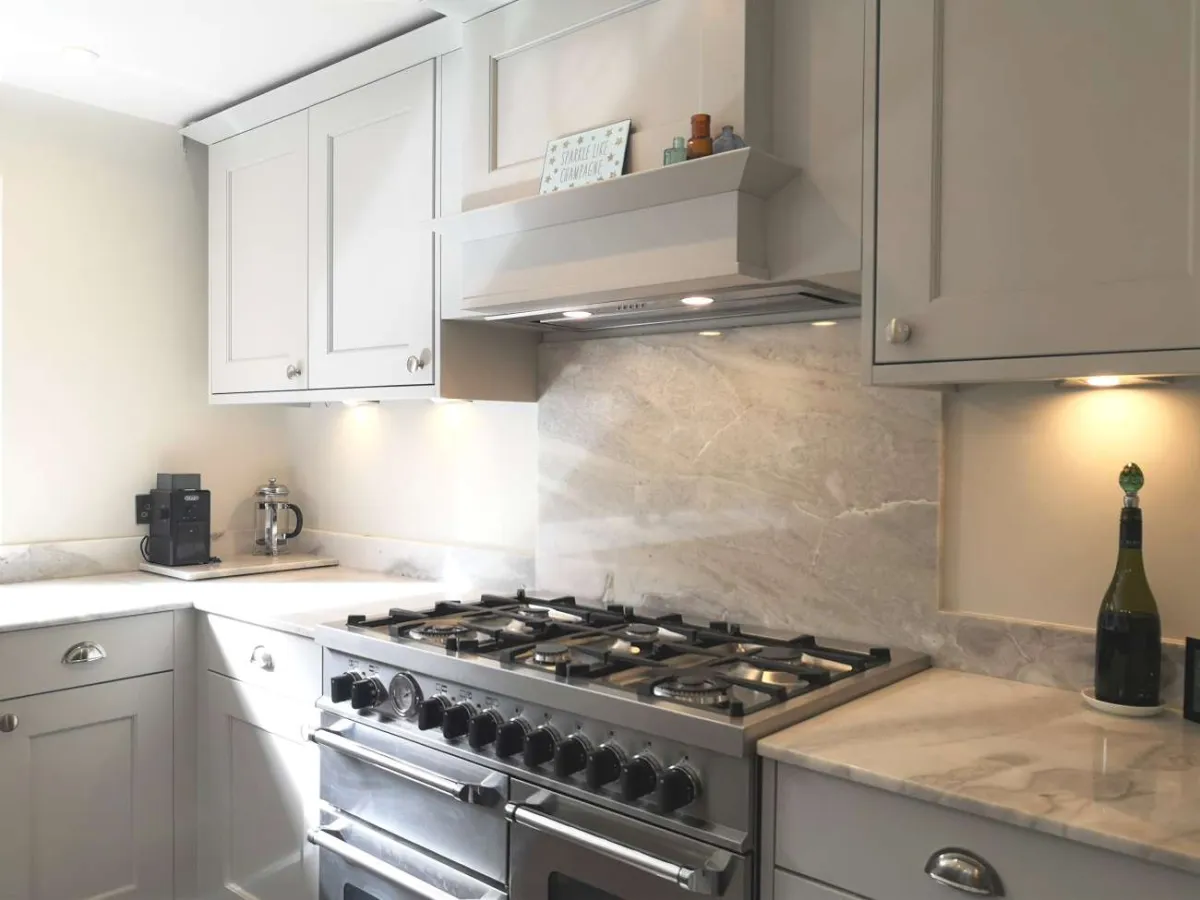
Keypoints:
pixel 430 713
pixel 539 746
pixel 603 766
pixel 340 687
pixel 483 728
pixel 678 787
pixel 638 778
pixel 456 721
pixel 571 755
pixel 367 693
pixel 510 738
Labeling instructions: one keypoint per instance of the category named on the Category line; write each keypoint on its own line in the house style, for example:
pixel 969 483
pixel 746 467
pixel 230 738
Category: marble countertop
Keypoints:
pixel 295 601
pixel 1030 756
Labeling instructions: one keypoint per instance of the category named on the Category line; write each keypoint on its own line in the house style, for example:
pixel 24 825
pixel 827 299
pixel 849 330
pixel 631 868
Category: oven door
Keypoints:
pixel 565 849
pixel 358 862
pixel 424 796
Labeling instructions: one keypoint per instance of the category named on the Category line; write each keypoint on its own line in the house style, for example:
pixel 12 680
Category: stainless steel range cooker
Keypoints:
pixel 541 749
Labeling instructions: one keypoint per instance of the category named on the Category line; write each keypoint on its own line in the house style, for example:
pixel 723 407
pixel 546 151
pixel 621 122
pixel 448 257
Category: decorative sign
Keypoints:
pixel 585 158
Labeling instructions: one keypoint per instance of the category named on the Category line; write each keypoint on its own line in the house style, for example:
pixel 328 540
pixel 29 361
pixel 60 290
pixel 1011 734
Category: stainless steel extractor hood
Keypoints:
pixel 767 304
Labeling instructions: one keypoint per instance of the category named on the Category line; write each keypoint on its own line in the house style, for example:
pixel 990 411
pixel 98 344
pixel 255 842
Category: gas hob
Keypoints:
pixel 737 682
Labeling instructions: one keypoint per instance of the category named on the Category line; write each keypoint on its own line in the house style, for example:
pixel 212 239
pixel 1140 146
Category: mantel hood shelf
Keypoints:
pixel 695 227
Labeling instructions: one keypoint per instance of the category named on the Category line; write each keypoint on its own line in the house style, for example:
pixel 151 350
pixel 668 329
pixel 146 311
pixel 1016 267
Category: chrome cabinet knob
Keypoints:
pixel 9 723
pixel 260 656
pixel 415 364
pixel 83 652
pixel 898 331
pixel 963 871
pixel 295 371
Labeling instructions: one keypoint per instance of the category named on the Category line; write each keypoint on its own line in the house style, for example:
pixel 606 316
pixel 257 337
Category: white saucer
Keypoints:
pixel 1118 709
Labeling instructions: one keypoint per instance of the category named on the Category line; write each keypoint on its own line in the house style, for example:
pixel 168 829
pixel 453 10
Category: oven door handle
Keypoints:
pixel 481 793
pixel 705 880
pixel 327 838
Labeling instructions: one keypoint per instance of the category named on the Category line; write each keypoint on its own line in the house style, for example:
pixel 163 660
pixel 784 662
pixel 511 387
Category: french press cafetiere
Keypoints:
pixel 270 538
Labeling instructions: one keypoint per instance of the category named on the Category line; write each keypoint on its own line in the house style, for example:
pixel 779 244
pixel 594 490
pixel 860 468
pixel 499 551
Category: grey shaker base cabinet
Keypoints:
pixel 870 843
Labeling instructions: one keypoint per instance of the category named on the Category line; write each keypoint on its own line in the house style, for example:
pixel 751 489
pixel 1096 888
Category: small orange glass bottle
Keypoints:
pixel 701 141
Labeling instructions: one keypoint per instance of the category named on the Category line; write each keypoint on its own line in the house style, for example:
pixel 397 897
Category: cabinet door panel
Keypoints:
pixel 258 258
pixel 1036 187
pixel 258 794
pixel 85 785
pixel 372 193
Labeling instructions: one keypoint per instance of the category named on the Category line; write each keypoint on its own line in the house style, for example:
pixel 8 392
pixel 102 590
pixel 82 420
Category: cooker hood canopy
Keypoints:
pixel 625 253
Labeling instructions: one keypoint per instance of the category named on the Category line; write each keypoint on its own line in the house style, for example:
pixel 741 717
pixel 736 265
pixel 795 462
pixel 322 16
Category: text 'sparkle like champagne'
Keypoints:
pixel 1128 630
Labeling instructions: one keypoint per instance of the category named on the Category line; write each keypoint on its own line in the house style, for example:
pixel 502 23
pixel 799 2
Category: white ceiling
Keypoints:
pixel 174 61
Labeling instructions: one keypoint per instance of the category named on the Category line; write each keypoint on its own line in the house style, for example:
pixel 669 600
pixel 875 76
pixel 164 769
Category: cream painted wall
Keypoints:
pixel 454 473
pixel 103 364
pixel 1031 502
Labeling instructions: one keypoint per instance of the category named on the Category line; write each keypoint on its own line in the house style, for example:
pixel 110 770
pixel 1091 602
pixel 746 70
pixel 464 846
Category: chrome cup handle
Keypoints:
pixel 964 871
pixel 83 652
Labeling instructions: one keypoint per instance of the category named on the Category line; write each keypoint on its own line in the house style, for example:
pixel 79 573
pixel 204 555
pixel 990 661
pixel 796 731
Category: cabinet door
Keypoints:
pixel 258 794
pixel 258 258
pixel 1036 184
pixel 371 190
pixel 85 786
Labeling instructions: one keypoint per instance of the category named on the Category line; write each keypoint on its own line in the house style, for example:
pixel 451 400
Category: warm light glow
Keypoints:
pixel 696 301
pixel 709 333
pixel 447 400
pixel 577 314
pixel 824 323
pixel 1111 381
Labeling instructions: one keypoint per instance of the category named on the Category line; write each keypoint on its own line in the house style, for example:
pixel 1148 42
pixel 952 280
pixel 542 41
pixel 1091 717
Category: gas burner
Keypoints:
pixel 798 656
pixel 551 654
pixel 750 672
pixel 639 631
pixel 438 632
pixel 699 690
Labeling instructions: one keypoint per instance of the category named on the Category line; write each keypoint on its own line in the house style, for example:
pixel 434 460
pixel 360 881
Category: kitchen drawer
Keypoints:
pixel 285 663
pixel 875 843
pixel 33 662
pixel 793 887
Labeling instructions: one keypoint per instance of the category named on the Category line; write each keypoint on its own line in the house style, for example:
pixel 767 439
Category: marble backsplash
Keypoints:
pixel 753 476
pixel 463 570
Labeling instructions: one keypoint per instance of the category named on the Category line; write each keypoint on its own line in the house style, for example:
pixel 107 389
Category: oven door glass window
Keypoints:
pixel 353 893
pixel 564 887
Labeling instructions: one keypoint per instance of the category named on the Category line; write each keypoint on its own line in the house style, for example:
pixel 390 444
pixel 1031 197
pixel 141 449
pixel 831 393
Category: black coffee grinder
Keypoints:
pixel 179 514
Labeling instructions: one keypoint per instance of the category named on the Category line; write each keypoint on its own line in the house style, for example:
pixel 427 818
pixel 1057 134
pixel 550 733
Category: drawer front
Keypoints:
pixel 36 661
pixel 284 663
pixel 876 844
pixel 793 887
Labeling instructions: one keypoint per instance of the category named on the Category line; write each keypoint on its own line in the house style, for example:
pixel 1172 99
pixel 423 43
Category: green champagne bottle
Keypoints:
pixel 1128 630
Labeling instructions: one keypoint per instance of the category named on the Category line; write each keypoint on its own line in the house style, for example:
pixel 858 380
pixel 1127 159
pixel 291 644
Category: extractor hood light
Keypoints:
pixel 1112 381
pixel 577 314
pixel 709 333
pixel 696 301
pixel 824 323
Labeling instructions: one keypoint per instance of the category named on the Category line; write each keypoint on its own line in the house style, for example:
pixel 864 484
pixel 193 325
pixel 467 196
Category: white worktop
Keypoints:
pixel 1031 756
pixel 294 601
